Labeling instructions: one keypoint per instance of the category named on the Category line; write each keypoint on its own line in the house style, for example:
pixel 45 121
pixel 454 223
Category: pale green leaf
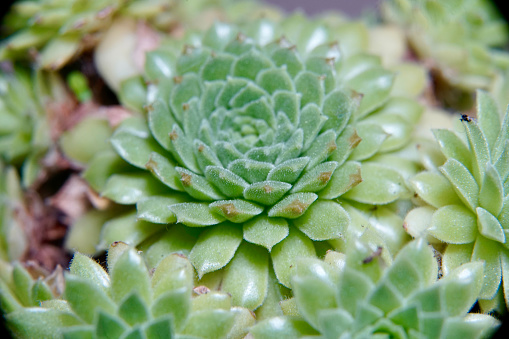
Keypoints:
pixel 215 247
pixel 246 276
pixel 454 224
pixel 284 255
pixel 195 214
pixel 323 220
pixel 265 231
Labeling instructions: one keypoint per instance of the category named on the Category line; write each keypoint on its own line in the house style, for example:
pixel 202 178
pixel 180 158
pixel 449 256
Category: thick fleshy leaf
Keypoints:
pixel 40 322
pixel 479 146
pixel 380 185
pixel 265 231
pixel 251 170
pixel 491 195
pixel 226 181
pixel 86 268
pixel 130 188
pixel 462 287
pixel 323 220
pixel 489 226
pixel 453 147
pixel 246 276
pixel 463 182
pixel 435 189
pixel 109 325
pixel 133 310
pixel 288 171
pixel 281 328
pixel 86 299
pixel 209 324
pixel 215 247
pixel 338 107
pixel 237 211
pixel 164 169
pixel 489 251
pixel 135 145
pixel 285 254
pixel 155 209
pixel 418 220
pixel 266 192
pixel 316 178
pixel 129 275
pixel 293 206
pixel 322 147
pixel 346 142
pixel 454 224
pixel 372 136
pixel 195 214
pixel 198 186
pixel 344 178
pixel 176 304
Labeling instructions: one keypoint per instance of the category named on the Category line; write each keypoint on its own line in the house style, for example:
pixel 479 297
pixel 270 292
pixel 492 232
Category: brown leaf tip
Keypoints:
pixel 229 210
pixel 185 179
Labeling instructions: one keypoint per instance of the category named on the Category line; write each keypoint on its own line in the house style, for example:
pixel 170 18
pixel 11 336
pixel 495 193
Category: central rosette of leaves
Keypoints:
pixel 247 140
pixel 247 129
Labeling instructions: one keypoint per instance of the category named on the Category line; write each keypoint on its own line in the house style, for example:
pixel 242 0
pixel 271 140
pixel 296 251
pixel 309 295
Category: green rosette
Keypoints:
pixel 460 41
pixel 359 297
pixel 466 195
pixel 127 301
pixel 251 155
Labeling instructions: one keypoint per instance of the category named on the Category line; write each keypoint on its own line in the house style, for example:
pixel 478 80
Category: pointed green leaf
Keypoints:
pixel 197 186
pixel 344 178
pixel 489 226
pixel 250 64
pixel 250 170
pixel 226 181
pixel 38 322
pixel 87 268
pixel 323 220
pixel 463 182
pixel 160 119
pixel 311 88
pixel 491 195
pixel 246 276
pixel 293 206
pixel 380 185
pixel 489 251
pixel 182 149
pixel 266 192
pixel 372 136
pixel 156 209
pixel 176 304
pixel 129 188
pixel 287 103
pixel 338 107
pixel 129 275
pixel 480 149
pixel 311 122
pixel 209 324
pixel 160 329
pixel 133 310
pixel 237 211
pixel 109 326
pixel 215 247
pixel 159 64
pixel 195 214
pixel 453 147
pixel 462 231
pixel 435 189
pixel 288 171
pixel 285 254
pixel 86 298
pixel 316 178
pixel 164 169
pixel 217 67
pixel 274 79
pixel 265 231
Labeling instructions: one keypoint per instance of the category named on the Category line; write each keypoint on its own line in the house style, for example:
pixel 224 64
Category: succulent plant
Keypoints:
pixel 468 206
pixel 458 39
pixel 128 301
pixel 62 29
pixel 358 297
pixel 27 105
pixel 261 154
